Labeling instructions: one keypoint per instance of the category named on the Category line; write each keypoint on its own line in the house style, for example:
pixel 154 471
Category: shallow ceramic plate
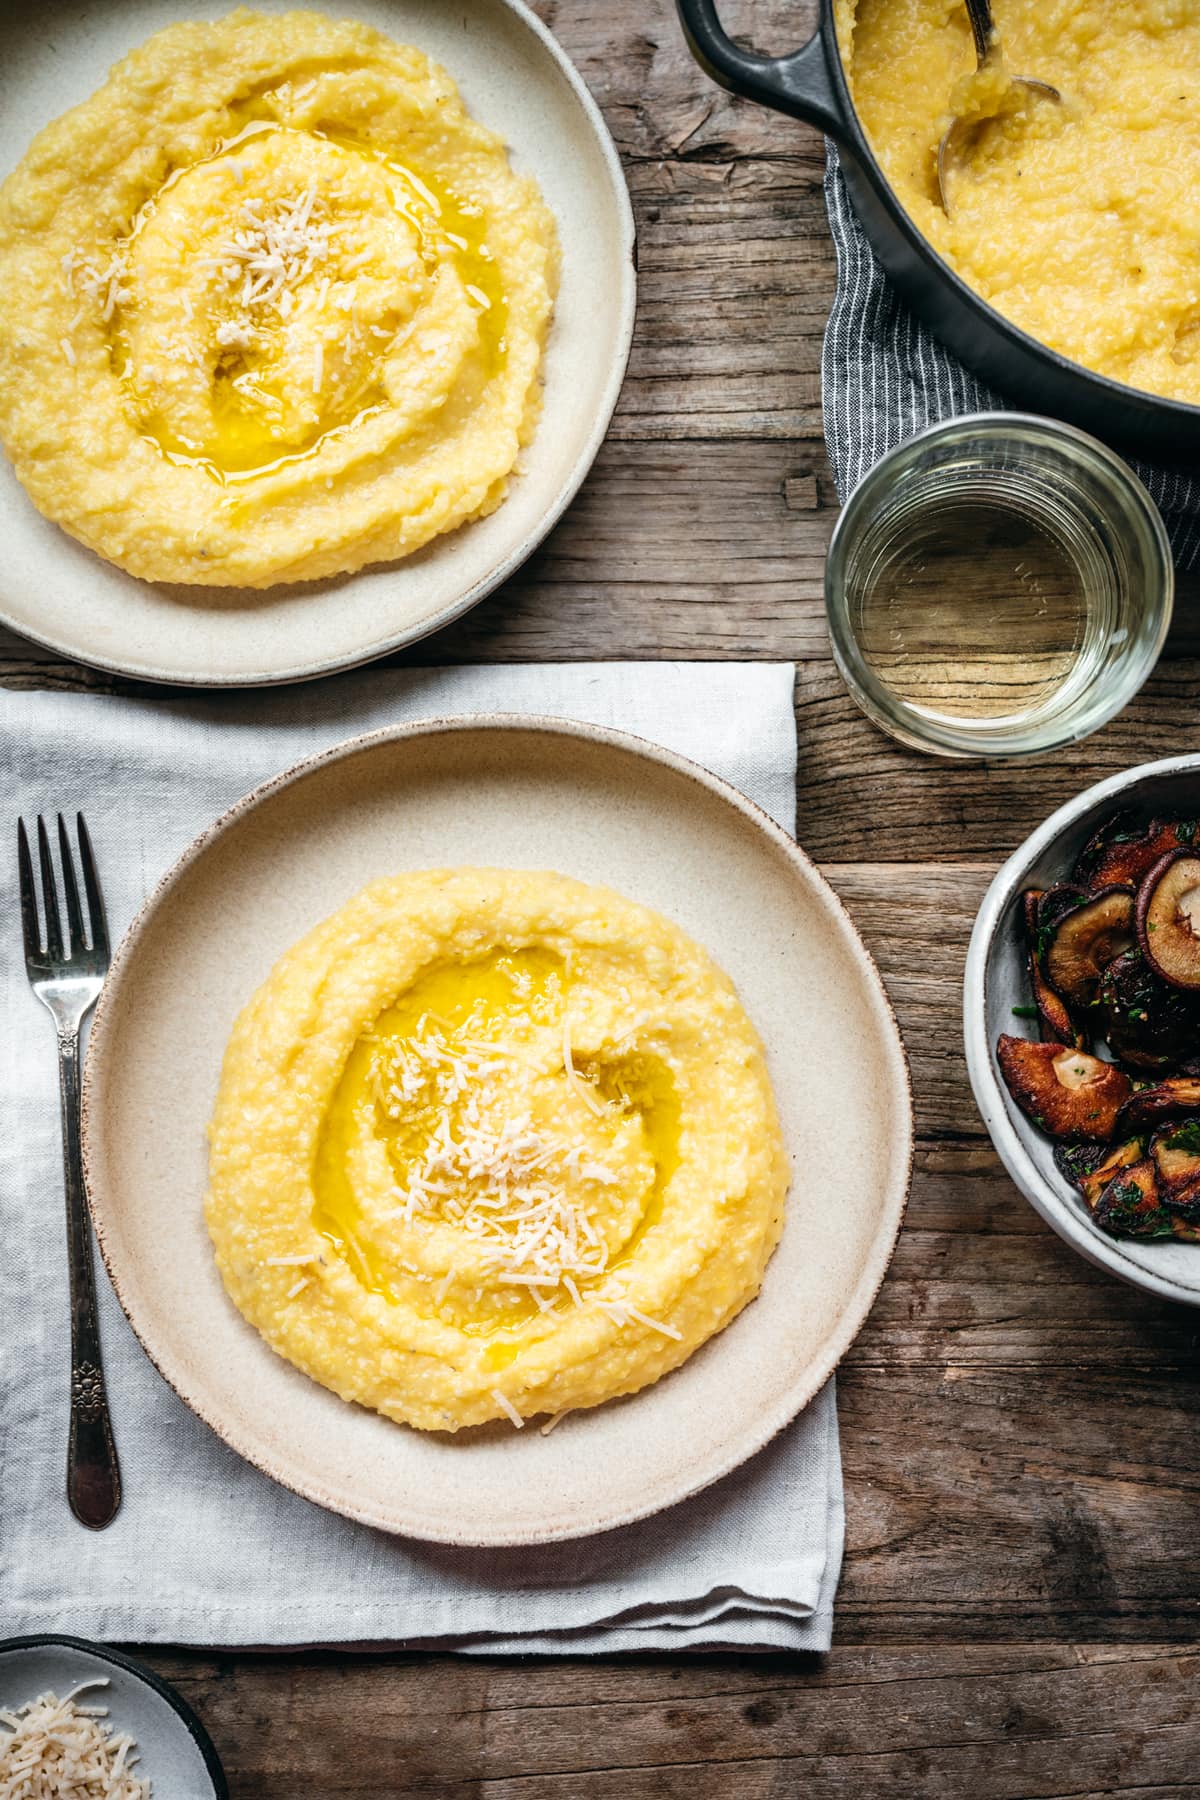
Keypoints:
pixel 996 981
pixel 599 806
pixel 175 1752
pixel 514 78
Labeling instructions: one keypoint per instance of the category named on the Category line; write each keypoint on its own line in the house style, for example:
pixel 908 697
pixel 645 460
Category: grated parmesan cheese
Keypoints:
pixel 506 1406
pixel 105 286
pixel 56 1750
pixel 268 256
pixel 521 1192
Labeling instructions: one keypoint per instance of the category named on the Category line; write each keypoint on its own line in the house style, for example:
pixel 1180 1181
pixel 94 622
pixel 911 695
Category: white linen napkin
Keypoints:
pixel 206 1550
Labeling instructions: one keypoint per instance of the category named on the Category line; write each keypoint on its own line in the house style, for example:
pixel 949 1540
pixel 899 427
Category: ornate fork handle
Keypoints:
pixel 93 1473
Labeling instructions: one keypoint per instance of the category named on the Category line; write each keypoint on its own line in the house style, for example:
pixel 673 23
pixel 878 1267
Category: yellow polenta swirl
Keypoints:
pixel 272 306
pixel 491 1143
pixel 1076 221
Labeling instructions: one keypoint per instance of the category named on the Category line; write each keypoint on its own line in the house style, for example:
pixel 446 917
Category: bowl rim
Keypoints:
pixel 1073 1226
pixel 148 1677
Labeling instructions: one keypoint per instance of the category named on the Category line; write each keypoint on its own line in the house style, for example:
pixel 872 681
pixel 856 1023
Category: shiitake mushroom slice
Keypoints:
pixel 1145 1022
pixel 1078 1161
pixel 1054 1021
pixel 1116 1157
pixel 1152 1106
pixel 1168 918
pixel 1121 852
pixel 1068 1093
pixel 1077 948
pixel 1183 1206
pixel 1052 906
pixel 1175 1152
pixel 1131 1205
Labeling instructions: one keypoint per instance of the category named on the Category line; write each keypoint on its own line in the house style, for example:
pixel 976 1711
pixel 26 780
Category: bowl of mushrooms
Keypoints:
pixel 1081 1013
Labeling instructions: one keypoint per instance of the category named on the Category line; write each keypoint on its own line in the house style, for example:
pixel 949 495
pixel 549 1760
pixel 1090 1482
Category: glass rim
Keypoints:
pixel 1138 515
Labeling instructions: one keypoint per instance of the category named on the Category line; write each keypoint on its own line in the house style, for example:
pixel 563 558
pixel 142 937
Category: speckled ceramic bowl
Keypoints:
pixel 996 981
pixel 510 793
pixel 175 1753
pixel 516 79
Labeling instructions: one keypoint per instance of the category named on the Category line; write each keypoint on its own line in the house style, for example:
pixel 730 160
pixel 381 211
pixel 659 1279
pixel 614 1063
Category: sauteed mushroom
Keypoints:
pixel 1065 1091
pixel 1083 941
pixel 1054 1021
pixel 1090 1167
pixel 1168 918
pixel 1151 1106
pixel 1147 1023
pixel 1175 1152
pixel 1131 1206
pixel 1121 852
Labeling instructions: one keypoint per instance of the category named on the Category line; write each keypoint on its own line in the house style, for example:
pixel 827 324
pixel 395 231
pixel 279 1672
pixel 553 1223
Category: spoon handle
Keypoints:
pixel 980 14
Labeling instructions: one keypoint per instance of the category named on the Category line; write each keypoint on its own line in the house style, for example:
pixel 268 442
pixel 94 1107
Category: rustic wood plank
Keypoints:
pixel 1021 1721
pixel 863 798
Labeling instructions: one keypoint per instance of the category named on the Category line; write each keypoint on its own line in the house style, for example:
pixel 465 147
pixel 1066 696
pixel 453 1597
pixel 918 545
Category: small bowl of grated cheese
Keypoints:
pixel 81 1722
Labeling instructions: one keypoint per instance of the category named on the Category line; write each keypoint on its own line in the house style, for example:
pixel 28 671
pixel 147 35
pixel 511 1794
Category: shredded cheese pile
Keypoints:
pixel 104 286
pixel 519 1191
pixel 503 1185
pixel 272 252
pixel 57 1750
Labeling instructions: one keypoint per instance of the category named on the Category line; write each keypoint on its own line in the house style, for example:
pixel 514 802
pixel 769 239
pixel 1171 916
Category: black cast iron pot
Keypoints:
pixel 810 84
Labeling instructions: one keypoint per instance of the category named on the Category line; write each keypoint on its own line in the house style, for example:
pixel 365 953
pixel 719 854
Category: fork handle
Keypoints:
pixel 93 1473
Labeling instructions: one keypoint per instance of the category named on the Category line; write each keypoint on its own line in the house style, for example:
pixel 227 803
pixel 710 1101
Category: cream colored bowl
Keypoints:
pixel 514 78
pixel 604 808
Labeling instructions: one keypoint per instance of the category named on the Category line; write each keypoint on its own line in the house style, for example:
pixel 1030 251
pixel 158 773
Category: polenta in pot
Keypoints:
pixel 1076 220
pixel 272 306
pixel 491 1144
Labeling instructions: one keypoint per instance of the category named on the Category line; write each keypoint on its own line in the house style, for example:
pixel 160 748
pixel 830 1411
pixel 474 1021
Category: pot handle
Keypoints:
pixel 798 84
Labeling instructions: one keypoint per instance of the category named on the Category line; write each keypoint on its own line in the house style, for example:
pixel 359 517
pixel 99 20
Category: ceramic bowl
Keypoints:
pixel 505 792
pixel 175 1753
pixel 996 982
pixel 515 79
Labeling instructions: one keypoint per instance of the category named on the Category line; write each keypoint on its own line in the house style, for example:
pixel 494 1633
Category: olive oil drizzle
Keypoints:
pixel 448 226
pixel 478 996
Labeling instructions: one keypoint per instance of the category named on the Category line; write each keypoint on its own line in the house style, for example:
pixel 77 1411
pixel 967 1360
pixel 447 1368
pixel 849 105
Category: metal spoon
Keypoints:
pixel 956 143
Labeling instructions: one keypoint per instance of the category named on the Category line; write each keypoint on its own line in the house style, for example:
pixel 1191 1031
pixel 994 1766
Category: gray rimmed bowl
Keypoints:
pixel 996 981
pixel 175 1752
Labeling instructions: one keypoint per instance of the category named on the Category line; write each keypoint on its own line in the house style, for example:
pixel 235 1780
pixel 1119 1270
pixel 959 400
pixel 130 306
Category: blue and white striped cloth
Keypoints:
pixel 884 376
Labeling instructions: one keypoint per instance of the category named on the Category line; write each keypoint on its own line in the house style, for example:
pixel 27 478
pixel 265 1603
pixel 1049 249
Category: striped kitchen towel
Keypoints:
pixel 885 376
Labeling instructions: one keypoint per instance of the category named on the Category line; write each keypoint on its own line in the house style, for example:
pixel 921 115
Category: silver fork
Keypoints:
pixel 67 975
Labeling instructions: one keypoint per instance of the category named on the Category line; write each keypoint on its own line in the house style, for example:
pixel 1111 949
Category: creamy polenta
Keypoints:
pixel 1076 221
pixel 490 1144
pixel 272 306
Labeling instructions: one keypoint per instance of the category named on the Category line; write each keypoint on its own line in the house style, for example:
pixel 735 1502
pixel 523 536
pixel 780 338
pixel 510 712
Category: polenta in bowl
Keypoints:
pixel 272 306
pixel 491 1144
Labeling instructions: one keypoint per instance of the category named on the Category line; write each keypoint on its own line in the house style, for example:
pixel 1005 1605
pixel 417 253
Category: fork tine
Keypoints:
pixel 74 916
pixel 29 911
pixel 96 919
pixel 54 944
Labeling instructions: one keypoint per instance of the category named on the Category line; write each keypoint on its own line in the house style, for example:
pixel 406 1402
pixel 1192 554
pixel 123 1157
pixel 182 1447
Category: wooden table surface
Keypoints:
pixel 1018 1610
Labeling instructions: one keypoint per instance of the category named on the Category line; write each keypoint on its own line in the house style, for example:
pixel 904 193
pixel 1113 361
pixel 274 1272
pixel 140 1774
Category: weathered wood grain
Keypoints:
pixel 863 798
pixel 1020 1720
